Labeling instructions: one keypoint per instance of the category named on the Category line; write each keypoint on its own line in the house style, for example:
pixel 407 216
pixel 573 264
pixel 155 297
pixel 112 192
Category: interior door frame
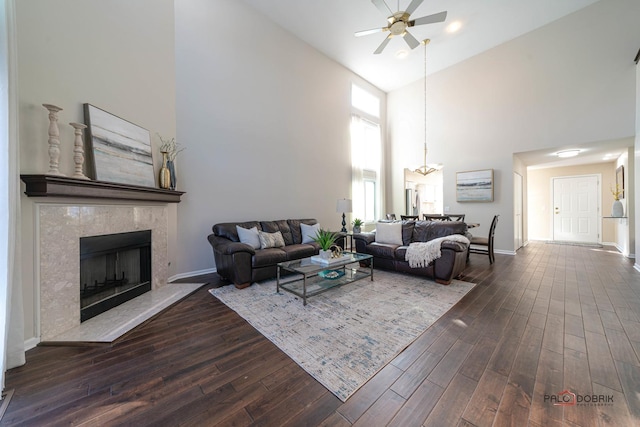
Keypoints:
pixel 518 196
pixel 598 176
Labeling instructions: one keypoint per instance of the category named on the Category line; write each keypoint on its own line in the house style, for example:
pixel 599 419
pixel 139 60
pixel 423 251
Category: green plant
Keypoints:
pixel 325 239
pixel 357 222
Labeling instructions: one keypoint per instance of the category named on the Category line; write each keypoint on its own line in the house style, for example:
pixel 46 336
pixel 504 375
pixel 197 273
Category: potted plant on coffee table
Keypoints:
pixel 325 239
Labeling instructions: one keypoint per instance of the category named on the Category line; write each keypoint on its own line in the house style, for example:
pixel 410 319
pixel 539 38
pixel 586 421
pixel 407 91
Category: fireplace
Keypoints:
pixel 114 268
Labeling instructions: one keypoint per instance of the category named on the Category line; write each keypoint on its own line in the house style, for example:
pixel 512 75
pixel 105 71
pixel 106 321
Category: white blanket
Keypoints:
pixel 420 254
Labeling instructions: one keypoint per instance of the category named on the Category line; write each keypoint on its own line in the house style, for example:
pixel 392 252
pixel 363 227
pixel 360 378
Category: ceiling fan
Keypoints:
pixel 399 22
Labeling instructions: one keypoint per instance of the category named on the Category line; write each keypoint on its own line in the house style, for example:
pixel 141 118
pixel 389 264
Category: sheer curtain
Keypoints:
pixel 357 165
pixel 11 317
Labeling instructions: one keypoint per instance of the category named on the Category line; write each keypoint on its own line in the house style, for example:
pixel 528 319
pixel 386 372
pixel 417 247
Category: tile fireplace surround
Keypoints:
pixel 58 231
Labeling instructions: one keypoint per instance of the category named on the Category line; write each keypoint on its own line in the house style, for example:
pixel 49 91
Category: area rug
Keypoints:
pixel 346 335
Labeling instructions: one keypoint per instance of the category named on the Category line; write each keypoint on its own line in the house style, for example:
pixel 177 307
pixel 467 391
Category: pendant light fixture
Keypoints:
pixel 426 169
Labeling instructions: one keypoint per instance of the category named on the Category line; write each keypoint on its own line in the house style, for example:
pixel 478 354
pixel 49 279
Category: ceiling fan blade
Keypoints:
pixel 372 31
pixel 382 7
pixel 384 44
pixel 413 6
pixel 431 19
pixel 411 41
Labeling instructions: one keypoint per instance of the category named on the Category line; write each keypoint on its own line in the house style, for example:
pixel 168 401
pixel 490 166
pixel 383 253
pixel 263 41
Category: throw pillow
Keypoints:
pixel 249 236
pixel 389 233
pixel 271 240
pixel 308 232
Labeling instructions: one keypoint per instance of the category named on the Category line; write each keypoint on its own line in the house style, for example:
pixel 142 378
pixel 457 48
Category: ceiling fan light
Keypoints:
pixel 454 27
pixel 402 54
pixel 567 153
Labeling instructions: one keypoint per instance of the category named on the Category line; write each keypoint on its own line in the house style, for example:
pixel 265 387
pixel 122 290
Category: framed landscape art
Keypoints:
pixel 117 150
pixel 474 186
pixel 620 180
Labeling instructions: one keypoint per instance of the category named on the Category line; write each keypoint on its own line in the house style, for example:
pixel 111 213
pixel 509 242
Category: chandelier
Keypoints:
pixel 426 169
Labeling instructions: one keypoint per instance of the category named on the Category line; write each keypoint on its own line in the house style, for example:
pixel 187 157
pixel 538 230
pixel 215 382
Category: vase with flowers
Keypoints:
pixel 617 210
pixel 170 150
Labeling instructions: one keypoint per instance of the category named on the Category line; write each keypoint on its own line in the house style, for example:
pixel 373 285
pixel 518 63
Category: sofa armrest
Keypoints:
pixel 362 240
pixel 227 247
pixel 233 260
pixel 367 237
pixel 455 246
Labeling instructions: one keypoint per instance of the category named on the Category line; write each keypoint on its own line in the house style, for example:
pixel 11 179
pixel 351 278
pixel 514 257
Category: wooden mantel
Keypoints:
pixel 62 186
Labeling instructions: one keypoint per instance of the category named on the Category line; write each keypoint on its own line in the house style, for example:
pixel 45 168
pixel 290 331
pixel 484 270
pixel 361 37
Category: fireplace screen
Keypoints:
pixel 113 269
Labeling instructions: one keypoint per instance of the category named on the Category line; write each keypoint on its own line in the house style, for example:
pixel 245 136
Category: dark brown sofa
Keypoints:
pixel 242 264
pixel 392 256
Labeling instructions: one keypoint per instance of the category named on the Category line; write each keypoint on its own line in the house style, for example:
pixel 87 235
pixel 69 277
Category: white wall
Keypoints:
pixel 117 55
pixel 561 84
pixel 265 119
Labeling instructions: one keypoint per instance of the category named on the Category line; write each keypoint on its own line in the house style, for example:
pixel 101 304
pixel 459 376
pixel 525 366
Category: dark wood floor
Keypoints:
pixel 552 318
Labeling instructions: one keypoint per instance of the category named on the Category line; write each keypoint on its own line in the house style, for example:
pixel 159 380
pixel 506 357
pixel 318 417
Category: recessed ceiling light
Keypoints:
pixel 568 153
pixel 454 26
pixel 402 53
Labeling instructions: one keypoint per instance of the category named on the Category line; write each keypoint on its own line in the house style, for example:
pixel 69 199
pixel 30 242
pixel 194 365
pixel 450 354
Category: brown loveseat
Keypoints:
pixel 243 264
pixel 391 256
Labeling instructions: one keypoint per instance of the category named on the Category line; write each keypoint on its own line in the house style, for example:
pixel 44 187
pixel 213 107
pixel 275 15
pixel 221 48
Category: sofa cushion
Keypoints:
pixel 423 231
pixel 270 240
pixel 389 233
pixel 299 251
pixel 407 231
pixel 282 226
pixel 294 226
pixel 267 257
pixel 309 232
pixel 250 237
pixel 228 229
pixel 382 250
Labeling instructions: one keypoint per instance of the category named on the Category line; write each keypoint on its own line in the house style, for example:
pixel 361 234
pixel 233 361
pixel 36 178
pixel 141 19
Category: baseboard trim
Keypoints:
pixel 31 343
pixel 192 273
pixel 504 252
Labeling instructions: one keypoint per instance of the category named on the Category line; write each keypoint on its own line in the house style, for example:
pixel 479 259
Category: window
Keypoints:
pixel 366 155
pixel 364 101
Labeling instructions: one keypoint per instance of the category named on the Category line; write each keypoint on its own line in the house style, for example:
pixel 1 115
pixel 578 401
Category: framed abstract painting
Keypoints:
pixel 474 186
pixel 117 150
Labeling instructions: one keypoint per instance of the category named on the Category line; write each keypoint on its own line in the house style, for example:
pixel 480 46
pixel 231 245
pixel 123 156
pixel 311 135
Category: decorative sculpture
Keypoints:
pixel 78 151
pixel 54 142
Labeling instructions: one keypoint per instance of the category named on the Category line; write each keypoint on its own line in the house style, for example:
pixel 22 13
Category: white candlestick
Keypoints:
pixel 78 151
pixel 54 142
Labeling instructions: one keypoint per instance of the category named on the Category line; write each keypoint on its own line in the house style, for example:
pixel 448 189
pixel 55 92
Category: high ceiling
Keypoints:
pixel 329 26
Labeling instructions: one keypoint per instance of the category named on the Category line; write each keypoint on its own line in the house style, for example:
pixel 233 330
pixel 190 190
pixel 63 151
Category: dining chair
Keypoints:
pixel 434 217
pixel 391 217
pixel 484 245
pixel 456 217
pixel 404 217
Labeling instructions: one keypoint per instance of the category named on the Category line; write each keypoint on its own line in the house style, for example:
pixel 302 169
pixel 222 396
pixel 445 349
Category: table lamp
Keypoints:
pixel 344 205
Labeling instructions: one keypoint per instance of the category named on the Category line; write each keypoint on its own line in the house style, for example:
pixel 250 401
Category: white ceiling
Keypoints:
pixel 329 26
pixel 597 152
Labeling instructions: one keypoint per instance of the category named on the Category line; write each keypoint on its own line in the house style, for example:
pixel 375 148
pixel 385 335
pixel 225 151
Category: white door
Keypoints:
pixel 517 211
pixel 576 209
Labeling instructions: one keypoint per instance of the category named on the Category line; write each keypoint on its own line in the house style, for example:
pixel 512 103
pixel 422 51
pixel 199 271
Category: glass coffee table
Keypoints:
pixel 317 278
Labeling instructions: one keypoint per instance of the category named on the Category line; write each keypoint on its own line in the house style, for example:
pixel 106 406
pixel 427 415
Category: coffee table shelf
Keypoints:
pixel 308 280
